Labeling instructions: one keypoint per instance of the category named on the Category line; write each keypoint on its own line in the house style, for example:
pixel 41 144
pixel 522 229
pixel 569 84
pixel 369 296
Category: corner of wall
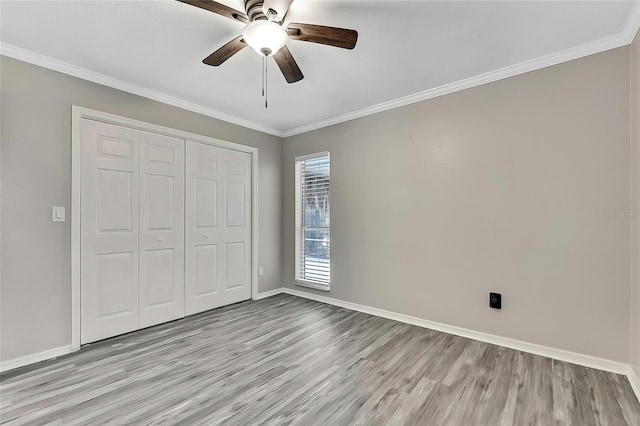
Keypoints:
pixel 283 219
pixel 634 227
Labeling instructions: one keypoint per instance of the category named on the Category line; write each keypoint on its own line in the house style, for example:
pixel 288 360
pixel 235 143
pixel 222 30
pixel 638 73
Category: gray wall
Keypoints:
pixel 36 175
pixel 635 205
pixel 503 187
pixel 519 186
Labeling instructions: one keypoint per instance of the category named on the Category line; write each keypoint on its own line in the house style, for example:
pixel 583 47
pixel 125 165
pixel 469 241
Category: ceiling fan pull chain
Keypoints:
pixel 261 72
pixel 266 84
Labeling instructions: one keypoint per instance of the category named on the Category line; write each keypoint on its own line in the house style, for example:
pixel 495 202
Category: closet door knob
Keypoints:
pixel 160 239
pixel 206 236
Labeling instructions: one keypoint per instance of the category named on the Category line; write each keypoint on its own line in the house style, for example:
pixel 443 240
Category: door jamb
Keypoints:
pixel 77 115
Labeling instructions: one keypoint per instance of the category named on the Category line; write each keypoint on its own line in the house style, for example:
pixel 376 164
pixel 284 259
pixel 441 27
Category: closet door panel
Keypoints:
pixel 218 227
pixel 109 230
pixel 161 229
pixel 237 218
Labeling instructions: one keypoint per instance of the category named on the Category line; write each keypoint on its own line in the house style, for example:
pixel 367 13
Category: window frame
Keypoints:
pixel 299 228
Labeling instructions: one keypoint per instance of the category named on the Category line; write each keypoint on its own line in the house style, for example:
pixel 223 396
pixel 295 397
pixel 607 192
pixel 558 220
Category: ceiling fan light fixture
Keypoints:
pixel 265 37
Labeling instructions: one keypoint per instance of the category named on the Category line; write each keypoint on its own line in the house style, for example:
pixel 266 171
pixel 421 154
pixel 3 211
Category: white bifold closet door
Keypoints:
pixel 218 227
pixel 161 229
pixel 132 230
pixel 109 230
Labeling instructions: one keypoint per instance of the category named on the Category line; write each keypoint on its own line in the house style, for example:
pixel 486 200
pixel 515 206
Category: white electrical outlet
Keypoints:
pixel 260 271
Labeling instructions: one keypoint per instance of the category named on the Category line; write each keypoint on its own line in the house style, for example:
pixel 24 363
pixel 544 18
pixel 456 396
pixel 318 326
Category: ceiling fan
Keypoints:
pixel 265 33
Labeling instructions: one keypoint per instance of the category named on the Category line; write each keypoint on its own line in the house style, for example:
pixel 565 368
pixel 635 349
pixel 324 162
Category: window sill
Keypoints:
pixel 313 285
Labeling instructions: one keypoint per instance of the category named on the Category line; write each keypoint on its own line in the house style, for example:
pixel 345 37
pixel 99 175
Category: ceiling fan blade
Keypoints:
pixel 281 7
pixel 225 52
pixel 219 8
pixel 288 65
pixel 338 37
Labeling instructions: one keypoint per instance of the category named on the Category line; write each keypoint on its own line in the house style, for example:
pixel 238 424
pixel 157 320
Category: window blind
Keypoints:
pixel 313 227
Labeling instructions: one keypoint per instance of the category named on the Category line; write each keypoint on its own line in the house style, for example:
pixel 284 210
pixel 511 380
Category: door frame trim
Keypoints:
pixel 77 115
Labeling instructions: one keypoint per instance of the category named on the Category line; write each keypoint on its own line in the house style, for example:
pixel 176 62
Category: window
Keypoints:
pixel 313 232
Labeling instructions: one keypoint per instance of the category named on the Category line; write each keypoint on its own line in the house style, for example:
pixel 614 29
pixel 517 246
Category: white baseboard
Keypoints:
pixel 558 354
pixel 269 293
pixel 634 381
pixel 37 357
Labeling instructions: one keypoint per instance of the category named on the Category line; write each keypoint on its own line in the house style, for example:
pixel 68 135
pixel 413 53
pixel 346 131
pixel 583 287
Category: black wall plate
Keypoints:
pixel 495 300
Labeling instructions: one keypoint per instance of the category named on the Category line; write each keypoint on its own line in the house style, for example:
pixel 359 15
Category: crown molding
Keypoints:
pixel 105 80
pixel 623 38
pixel 633 23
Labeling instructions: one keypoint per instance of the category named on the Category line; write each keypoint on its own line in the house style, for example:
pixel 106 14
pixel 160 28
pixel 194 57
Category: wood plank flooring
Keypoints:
pixel 287 360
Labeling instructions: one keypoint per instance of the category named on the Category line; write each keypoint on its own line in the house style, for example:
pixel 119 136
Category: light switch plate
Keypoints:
pixel 260 271
pixel 58 214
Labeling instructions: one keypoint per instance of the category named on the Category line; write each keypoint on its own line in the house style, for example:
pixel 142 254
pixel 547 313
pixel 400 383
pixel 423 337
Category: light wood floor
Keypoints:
pixel 286 360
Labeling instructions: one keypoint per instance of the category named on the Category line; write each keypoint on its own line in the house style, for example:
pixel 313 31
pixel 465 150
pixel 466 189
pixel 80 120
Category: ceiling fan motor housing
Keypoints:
pixel 254 10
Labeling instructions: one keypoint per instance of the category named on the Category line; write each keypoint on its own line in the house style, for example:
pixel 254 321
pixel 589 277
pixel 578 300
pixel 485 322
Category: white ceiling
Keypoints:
pixel 404 48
